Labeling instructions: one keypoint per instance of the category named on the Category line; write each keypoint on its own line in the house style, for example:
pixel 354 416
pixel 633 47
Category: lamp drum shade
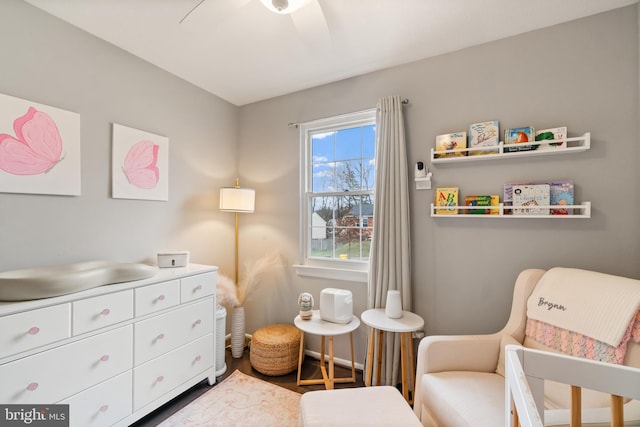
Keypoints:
pixel 236 199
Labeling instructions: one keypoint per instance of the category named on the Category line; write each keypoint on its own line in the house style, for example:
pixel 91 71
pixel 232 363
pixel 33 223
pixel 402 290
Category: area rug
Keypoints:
pixel 240 401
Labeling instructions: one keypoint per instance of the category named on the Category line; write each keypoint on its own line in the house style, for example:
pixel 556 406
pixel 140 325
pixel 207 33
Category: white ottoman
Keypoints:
pixel 381 406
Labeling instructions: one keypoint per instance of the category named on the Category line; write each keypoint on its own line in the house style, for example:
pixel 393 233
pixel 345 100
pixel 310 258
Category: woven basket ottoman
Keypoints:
pixel 274 349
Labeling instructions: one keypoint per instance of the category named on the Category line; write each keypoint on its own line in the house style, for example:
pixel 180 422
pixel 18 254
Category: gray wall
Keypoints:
pixel 48 61
pixel 583 74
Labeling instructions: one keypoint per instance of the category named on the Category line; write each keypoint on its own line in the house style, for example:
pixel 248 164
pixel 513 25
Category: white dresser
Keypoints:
pixel 113 353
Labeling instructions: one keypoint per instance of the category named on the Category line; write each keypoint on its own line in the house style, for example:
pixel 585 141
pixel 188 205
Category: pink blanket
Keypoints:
pixel 575 344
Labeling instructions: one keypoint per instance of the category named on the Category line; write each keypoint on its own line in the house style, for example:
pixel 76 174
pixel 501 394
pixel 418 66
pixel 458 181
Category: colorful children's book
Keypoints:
pixel 561 194
pixel 492 200
pixel 451 141
pixel 530 197
pixel 446 196
pixel 555 134
pixel 515 138
pixel 484 134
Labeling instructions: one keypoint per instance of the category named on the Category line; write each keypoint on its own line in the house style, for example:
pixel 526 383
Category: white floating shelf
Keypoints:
pixel 572 145
pixel 579 211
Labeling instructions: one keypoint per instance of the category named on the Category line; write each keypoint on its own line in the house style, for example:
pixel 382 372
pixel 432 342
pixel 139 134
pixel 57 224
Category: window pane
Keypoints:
pixel 324 178
pixel 322 147
pixel 348 144
pixel 369 142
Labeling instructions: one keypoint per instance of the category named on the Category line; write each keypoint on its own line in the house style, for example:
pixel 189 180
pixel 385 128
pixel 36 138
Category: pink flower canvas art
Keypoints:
pixel 140 164
pixel 39 148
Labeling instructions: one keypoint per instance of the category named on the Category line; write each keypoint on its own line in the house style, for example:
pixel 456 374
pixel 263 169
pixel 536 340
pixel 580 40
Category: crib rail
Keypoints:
pixel 526 369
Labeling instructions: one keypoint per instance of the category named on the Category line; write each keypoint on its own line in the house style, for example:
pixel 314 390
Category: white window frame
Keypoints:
pixel 354 271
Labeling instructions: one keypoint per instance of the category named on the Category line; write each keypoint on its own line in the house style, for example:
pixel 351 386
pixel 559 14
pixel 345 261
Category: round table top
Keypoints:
pixel 317 326
pixel 377 318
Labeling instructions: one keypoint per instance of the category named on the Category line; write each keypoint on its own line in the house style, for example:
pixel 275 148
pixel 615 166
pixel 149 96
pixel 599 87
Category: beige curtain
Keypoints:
pixel 390 256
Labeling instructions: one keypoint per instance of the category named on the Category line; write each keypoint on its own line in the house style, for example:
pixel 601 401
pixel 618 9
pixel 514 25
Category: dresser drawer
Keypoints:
pixel 56 374
pixel 102 405
pixel 157 297
pixel 198 286
pixel 31 329
pixel 105 310
pixel 170 330
pixel 161 375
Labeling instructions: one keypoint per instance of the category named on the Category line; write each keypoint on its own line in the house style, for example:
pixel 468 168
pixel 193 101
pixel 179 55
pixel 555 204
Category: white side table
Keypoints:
pixel 317 326
pixel 408 323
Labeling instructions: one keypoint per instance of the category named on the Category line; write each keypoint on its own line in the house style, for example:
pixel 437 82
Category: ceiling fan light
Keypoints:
pixel 283 7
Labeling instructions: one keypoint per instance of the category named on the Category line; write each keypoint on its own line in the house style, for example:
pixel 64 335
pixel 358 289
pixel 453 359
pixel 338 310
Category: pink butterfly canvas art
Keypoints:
pixel 35 149
pixel 140 164
pixel 39 148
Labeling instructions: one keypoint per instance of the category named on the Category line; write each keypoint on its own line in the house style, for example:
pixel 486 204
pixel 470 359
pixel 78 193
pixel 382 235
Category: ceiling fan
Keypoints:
pixel 307 16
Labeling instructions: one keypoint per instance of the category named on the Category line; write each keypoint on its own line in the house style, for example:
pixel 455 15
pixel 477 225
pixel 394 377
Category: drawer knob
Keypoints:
pixel 105 312
pixel 161 298
pixel 197 322
pixel 32 386
pixel 159 379
pixel 34 330
pixel 198 358
pixel 160 336
pixel 197 288
pixel 105 358
pixel 104 408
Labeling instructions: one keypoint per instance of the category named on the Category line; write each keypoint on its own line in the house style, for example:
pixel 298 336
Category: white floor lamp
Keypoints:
pixel 237 200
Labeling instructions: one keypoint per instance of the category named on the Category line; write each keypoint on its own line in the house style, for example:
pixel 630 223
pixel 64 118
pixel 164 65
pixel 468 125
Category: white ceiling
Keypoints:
pixel 241 52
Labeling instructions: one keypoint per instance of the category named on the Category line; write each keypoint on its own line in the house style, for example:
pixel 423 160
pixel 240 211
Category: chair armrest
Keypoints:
pixel 458 353
pixel 438 353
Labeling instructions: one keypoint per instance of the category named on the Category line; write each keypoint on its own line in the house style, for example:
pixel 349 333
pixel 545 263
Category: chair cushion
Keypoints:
pixel 464 398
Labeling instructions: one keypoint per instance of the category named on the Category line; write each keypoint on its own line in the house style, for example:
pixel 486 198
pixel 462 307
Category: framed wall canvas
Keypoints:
pixel 140 164
pixel 39 148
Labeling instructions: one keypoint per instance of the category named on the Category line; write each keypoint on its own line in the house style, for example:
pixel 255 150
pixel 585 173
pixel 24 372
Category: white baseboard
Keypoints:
pixel 336 360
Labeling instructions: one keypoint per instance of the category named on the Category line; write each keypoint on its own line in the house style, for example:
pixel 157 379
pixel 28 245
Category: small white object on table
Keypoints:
pixel 317 326
pixel 376 318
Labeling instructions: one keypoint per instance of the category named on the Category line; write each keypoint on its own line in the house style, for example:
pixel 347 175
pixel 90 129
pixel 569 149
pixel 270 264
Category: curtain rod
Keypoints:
pixel 405 101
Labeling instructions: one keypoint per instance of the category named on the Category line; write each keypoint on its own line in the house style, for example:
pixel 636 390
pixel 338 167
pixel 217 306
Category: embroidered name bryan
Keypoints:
pixel 551 305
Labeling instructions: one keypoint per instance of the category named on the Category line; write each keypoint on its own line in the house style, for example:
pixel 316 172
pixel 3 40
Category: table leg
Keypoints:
pixel 369 372
pixel 403 364
pixel 300 355
pixel 379 362
pixel 353 363
pixel 331 367
pixel 412 368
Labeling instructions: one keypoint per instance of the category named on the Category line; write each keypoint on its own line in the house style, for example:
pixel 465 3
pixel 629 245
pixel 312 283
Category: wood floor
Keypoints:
pixel 310 369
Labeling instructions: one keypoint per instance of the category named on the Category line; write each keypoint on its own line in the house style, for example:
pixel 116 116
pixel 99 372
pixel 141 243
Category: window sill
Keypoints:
pixel 332 273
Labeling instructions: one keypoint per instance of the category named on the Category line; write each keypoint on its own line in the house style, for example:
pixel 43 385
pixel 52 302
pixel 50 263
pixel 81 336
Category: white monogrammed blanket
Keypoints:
pixel 600 306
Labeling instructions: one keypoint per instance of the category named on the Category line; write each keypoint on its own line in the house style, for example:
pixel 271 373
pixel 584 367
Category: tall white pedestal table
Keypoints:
pixel 317 326
pixel 408 323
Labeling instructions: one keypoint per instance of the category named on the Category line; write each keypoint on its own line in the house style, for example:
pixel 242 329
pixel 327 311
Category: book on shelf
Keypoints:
pixel 484 134
pixel 560 194
pixel 554 134
pixel 451 141
pixel 527 198
pixel 490 200
pixel 446 200
pixel 514 137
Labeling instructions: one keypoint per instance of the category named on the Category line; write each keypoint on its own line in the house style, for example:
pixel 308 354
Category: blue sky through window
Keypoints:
pixel 343 160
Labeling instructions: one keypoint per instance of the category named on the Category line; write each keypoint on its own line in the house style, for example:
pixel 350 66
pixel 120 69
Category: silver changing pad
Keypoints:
pixel 45 282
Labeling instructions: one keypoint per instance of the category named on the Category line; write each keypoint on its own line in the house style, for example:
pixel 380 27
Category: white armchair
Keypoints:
pixel 456 379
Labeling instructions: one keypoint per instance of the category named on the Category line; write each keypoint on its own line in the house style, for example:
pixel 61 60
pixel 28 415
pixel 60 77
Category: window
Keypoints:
pixel 337 171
